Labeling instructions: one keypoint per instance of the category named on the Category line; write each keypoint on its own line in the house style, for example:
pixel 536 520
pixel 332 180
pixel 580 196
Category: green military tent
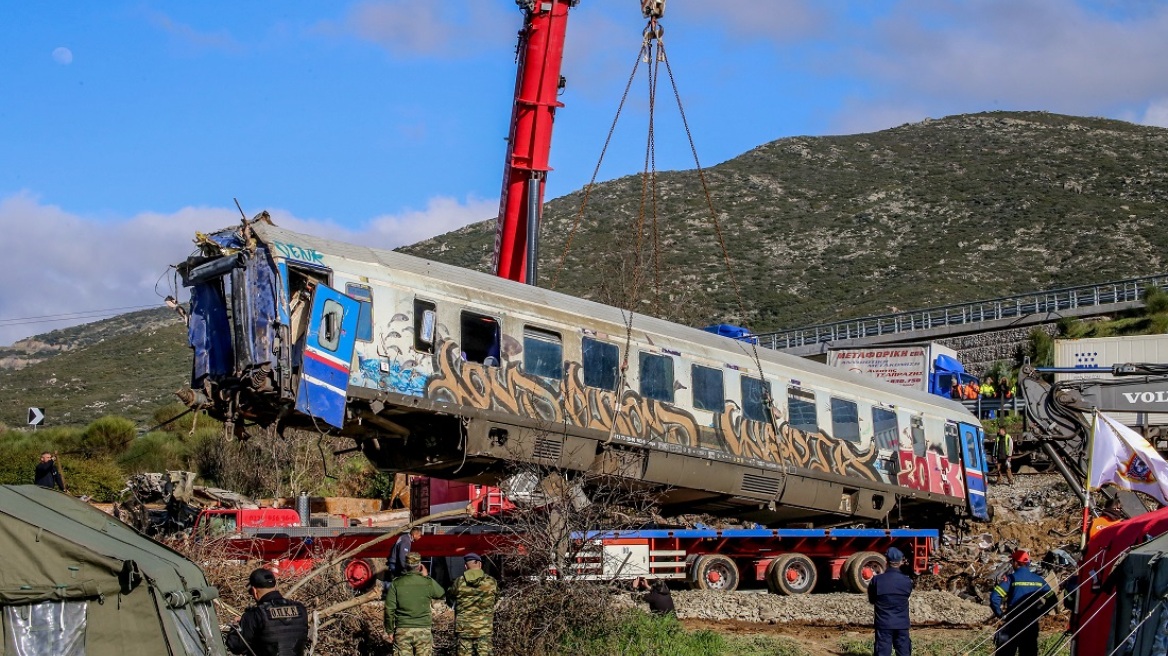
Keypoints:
pixel 76 582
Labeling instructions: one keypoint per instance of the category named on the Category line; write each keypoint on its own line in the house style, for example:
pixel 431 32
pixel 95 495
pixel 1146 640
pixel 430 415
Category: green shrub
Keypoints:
pixel 638 633
pixel 107 437
pixel 156 452
pixel 99 478
pixel 1155 300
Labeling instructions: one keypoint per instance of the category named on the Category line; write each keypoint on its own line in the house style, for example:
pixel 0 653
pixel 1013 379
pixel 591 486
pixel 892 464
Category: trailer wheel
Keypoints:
pixel 359 573
pixel 793 574
pixel 715 572
pixel 767 577
pixel 861 568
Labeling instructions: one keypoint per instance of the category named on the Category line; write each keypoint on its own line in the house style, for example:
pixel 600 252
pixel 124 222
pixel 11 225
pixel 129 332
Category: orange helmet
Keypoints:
pixel 1021 557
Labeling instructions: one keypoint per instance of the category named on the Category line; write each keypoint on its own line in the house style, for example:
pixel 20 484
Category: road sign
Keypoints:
pixel 36 416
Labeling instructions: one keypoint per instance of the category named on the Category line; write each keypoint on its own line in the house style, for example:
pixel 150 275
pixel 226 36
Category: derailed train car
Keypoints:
pixel 438 370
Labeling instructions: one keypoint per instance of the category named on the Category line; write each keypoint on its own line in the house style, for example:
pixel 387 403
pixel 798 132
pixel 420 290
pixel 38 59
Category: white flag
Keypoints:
pixel 1122 457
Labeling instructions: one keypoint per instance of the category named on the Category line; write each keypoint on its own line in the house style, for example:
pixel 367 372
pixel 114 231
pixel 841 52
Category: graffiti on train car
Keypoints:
pixel 635 420
pixel 508 389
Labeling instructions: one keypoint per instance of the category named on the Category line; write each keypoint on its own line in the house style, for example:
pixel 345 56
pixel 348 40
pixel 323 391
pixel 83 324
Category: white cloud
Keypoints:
pixel 408 28
pixel 188 36
pixel 1011 54
pixel 68 263
pixel 1156 114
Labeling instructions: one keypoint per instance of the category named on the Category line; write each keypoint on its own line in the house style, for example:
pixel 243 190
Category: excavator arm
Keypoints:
pixel 1058 420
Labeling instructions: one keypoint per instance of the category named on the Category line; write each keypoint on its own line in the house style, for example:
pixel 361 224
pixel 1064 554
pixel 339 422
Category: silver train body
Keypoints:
pixel 437 370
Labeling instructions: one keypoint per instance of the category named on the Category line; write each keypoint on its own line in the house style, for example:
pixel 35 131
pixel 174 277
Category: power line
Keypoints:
pixel 70 316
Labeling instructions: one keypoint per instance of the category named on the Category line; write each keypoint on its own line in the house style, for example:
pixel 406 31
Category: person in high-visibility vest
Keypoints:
pixel 1003 451
pixel 987 389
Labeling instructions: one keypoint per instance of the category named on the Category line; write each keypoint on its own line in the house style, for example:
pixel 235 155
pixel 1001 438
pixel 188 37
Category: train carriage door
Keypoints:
pixel 327 354
pixel 973 460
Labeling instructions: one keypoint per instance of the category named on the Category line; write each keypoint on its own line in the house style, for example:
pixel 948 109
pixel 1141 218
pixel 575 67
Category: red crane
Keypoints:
pixel 539 54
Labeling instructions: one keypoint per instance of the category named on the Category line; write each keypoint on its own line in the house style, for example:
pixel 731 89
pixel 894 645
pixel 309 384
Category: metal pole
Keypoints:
pixel 533 211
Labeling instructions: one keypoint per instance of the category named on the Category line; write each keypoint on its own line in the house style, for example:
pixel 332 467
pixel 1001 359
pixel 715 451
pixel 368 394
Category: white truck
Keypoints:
pixel 1140 402
pixel 929 367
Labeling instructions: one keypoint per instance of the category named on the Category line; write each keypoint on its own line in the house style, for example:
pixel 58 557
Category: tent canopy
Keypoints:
pixel 133 595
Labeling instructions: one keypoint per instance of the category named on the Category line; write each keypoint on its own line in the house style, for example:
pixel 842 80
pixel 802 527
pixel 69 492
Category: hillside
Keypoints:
pixel 104 367
pixel 957 209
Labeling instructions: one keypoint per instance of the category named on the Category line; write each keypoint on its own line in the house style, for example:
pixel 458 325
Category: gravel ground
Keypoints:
pixel 837 609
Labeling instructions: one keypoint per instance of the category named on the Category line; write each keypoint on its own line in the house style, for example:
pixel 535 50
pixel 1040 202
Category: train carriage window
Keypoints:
pixel 801 410
pixel 480 339
pixel 845 420
pixel 952 443
pixel 329 334
pixel 920 445
pixel 543 353
pixel 363 294
pixel 657 377
pixel 601 363
pixel 425 320
pixel 709 391
pixel 753 404
pixel 886 429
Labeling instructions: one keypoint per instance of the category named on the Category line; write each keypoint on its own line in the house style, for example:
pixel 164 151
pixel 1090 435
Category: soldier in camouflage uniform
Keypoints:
pixel 473 597
pixel 407 610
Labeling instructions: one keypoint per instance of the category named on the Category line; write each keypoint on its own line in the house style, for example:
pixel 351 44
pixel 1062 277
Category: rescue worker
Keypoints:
pixel 987 388
pixel 407 609
pixel 47 474
pixel 473 597
pixel 1027 596
pixel 395 564
pixel 889 593
pixel 1003 452
pixel 971 390
pixel 657 595
pixel 275 626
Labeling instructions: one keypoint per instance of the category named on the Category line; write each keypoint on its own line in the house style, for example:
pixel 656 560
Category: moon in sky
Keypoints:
pixel 63 56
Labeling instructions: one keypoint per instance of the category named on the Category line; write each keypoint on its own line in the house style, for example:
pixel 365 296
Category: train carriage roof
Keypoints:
pixel 486 284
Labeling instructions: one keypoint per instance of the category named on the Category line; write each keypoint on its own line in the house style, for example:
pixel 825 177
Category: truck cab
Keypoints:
pixel 228 522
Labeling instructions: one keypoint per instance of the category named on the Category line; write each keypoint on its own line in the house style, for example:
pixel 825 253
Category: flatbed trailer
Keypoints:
pixel 786 561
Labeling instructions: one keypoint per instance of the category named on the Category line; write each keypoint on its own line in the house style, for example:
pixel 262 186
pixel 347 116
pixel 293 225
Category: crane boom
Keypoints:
pixel 540 54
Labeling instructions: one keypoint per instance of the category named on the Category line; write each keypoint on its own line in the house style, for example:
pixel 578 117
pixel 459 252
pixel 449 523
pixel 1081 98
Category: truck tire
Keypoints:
pixel 793 574
pixel 715 572
pixel 767 576
pixel 861 568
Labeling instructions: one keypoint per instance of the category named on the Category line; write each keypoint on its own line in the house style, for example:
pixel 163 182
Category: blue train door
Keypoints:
pixel 973 460
pixel 327 354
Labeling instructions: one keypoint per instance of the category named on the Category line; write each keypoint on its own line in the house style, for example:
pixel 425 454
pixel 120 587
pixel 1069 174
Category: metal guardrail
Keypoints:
pixel 1046 302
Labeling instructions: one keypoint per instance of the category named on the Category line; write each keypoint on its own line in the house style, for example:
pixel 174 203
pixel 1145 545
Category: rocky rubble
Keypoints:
pixel 836 609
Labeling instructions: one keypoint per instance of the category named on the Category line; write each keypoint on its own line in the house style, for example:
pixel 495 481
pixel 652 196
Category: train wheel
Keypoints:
pixel 793 574
pixel 716 572
pixel 861 568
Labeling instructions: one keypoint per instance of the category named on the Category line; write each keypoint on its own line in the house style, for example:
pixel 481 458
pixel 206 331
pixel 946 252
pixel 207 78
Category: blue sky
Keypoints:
pixel 126 126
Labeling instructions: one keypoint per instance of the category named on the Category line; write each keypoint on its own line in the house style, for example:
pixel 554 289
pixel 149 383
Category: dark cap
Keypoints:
pixel 894 555
pixel 413 559
pixel 472 557
pixel 261 578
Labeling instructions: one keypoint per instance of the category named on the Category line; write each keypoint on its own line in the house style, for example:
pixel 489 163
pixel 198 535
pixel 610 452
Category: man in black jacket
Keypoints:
pixel 47 474
pixel 275 626
pixel 889 593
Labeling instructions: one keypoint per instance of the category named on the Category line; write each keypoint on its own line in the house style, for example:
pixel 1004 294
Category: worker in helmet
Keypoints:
pixel 1027 597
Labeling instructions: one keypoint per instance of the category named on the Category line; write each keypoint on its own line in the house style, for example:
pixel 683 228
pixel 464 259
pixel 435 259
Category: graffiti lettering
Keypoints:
pixel 295 252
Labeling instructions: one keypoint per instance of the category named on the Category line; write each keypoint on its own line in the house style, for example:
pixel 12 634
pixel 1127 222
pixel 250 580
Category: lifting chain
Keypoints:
pixel 653 53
